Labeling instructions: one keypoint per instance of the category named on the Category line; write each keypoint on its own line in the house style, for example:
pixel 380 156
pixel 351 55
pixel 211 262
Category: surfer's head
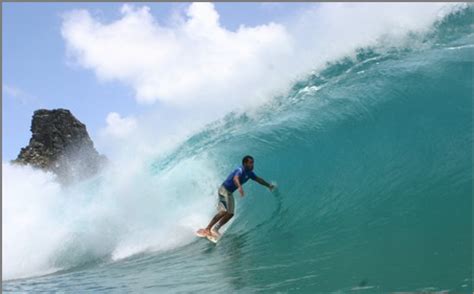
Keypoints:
pixel 247 162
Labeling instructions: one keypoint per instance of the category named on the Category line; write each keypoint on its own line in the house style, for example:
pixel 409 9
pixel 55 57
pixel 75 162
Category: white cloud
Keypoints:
pixel 119 127
pixel 18 94
pixel 194 60
pixel 11 91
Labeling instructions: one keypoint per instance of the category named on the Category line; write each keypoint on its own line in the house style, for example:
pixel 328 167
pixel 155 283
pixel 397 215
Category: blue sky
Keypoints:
pixel 135 72
pixel 37 72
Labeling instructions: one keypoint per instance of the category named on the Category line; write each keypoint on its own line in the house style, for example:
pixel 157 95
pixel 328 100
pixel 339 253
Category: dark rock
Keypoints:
pixel 60 143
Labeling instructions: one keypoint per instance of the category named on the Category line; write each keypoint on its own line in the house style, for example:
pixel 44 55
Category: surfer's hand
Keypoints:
pixel 271 187
pixel 241 191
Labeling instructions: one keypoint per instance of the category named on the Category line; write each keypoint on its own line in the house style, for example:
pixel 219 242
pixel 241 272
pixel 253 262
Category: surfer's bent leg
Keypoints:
pixel 214 220
pixel 223 221
pixel 225 207
pixel 226 203
pixel 221 207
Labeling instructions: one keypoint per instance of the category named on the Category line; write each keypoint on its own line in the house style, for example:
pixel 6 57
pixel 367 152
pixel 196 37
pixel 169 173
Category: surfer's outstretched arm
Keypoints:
pixel 264 183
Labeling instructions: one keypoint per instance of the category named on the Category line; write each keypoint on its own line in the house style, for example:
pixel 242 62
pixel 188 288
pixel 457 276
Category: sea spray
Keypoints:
pixel 119 213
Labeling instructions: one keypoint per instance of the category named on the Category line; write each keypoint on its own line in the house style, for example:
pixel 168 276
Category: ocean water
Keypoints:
pixel 373 160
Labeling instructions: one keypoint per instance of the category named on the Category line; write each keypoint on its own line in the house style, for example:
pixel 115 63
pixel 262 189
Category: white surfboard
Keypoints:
pixel 200 233
pixel 212 239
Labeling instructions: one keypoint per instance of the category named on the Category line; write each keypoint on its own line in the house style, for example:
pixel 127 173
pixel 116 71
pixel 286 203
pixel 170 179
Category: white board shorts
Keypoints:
pixel 226 200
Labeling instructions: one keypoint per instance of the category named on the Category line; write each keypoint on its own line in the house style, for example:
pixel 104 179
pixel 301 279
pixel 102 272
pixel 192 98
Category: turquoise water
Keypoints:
pixel 373 160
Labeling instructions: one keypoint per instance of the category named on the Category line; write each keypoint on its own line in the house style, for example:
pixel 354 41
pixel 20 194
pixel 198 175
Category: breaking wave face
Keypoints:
pixel 373 160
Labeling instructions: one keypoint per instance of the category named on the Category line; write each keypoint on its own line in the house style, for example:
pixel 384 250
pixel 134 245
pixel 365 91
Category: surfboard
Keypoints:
pixel 212 239
pixel 200 233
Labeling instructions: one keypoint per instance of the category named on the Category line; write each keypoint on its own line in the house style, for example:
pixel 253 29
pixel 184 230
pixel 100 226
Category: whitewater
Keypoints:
pixel 371 150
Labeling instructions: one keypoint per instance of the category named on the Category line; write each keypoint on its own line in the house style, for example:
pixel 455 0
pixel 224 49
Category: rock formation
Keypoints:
pixel 60 143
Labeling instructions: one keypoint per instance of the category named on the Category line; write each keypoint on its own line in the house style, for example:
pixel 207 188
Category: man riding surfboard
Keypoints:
pixel 226 205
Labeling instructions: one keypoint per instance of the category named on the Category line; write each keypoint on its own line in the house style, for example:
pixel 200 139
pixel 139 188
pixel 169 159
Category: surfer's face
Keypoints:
pixel 249 164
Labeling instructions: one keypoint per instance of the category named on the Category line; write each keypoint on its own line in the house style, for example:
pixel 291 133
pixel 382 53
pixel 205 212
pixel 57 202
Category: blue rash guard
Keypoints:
pixel 244 176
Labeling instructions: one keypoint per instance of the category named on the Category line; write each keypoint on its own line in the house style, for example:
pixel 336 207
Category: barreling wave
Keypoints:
pixel 373 159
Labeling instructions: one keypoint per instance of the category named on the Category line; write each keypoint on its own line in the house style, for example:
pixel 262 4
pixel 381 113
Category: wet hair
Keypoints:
pixel 246 158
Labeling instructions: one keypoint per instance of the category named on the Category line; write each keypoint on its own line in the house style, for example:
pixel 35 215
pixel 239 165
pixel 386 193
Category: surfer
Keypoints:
pixel 233 182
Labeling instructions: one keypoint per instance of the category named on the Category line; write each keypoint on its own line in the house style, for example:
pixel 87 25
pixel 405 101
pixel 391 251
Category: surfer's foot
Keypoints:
pixel 215 233
pixel 207 232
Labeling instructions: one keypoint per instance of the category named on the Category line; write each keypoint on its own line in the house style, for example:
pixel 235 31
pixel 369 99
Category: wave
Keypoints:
pixel 372 156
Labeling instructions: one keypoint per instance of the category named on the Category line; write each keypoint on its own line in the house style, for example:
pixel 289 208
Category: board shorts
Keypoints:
pixel 226 200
